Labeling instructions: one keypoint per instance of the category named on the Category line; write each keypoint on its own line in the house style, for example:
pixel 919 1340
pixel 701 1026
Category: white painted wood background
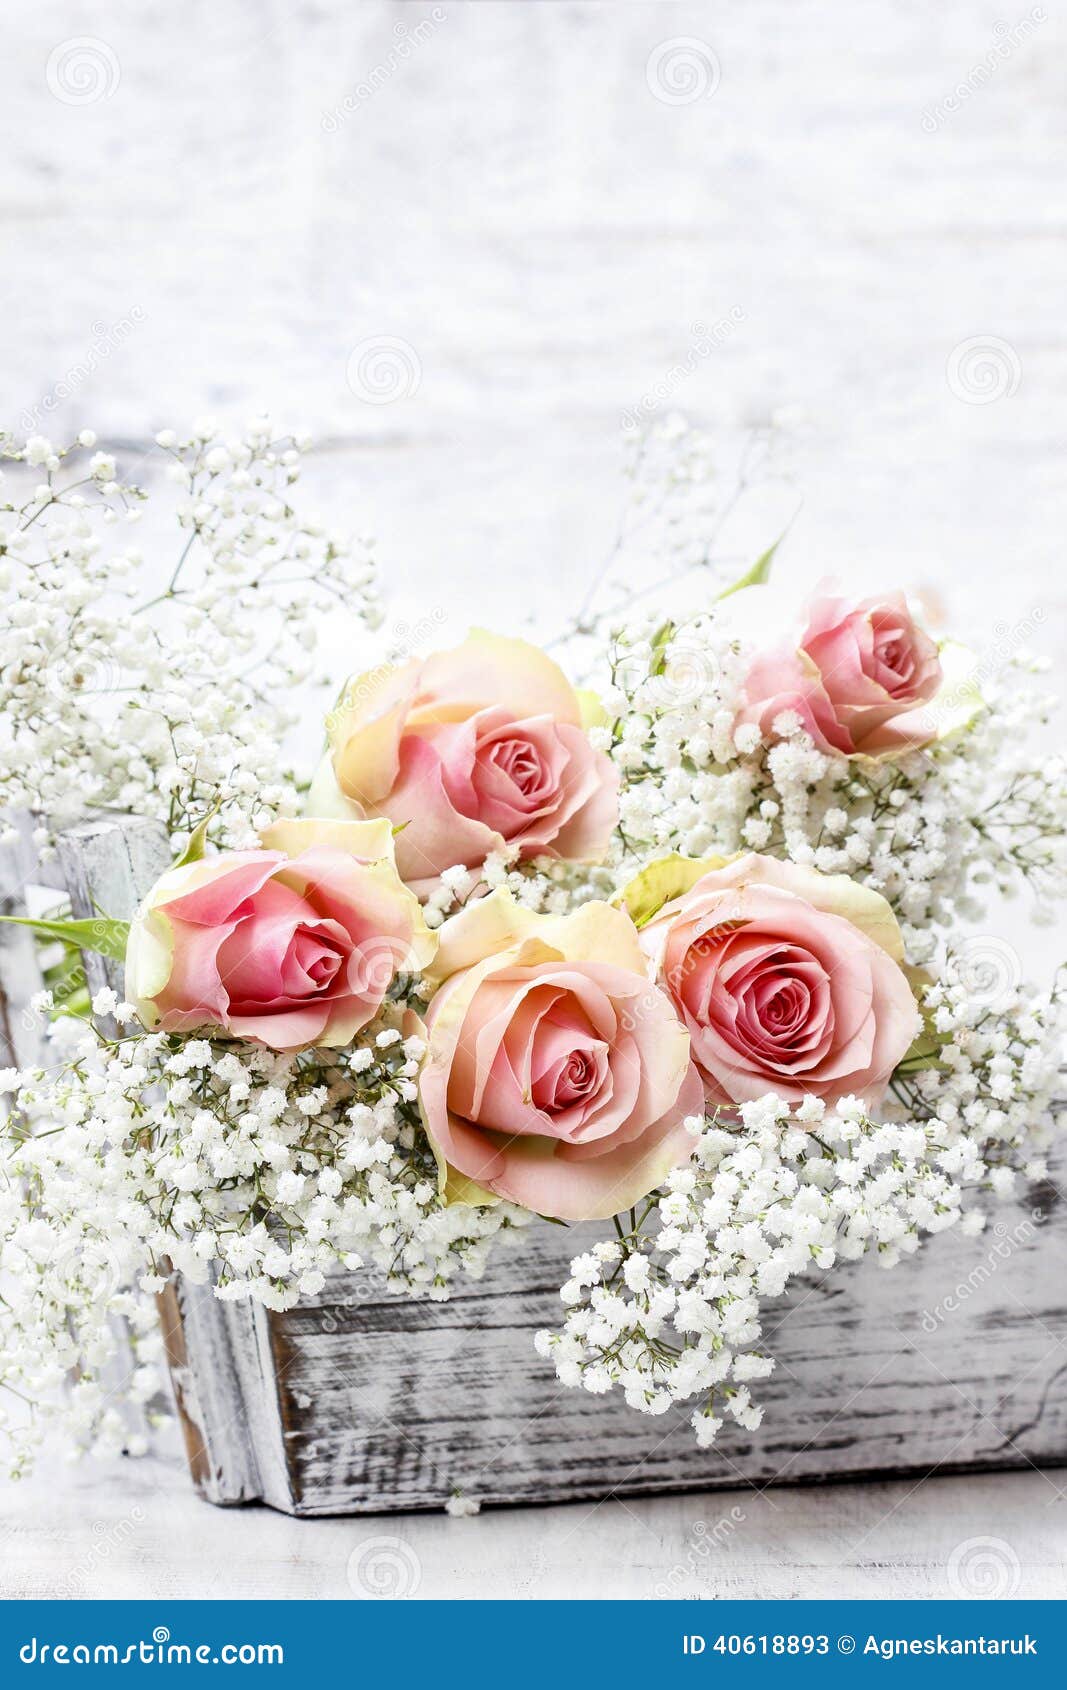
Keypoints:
pixel 515 204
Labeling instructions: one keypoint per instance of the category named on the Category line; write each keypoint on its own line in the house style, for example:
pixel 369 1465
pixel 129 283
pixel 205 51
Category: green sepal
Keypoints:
pixel 760 573
pixel 667 878
pixel 198 838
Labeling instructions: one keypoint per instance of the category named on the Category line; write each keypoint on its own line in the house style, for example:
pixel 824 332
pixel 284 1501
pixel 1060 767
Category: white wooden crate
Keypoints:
pixel 359 1401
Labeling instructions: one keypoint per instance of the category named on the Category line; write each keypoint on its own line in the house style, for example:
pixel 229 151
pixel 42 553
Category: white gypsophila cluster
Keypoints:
pixel 672 1307
pixel 931 831
pixel 147 1154
pixel 162 691
pixel 542 883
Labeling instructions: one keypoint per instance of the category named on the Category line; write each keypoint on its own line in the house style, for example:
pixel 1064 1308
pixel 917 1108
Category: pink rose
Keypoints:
pixel 857 678
pixel 788 981
pixel 468 751
pixel 289 946
pixel 556 1076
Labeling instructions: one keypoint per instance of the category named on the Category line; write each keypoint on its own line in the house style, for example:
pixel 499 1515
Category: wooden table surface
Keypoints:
pixel 135 1529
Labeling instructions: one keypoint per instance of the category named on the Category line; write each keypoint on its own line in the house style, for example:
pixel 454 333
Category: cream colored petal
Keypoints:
pixel 594 932
pixel 149 958
pixel 365 726
pixel 958 700
pixel 490 669
pixel 592 710
pixel 498 924
pixel 325 798
pixel 483 928
pixel 369 841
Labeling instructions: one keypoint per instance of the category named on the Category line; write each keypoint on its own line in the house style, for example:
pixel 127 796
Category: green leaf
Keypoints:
pixel 101 934
pixel 760 573
pixel 926 1047
pixel 198 838
pixel 661 639
pixel 645 895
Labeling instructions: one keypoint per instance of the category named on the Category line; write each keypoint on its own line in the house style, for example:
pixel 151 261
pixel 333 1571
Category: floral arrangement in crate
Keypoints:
pixel 679 954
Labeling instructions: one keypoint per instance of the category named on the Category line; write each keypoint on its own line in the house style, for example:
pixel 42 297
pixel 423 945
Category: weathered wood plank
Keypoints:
pixel 21 1028
pixel 358 1401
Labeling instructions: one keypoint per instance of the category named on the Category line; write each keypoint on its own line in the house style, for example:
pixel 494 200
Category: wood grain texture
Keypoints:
pixel 358 1401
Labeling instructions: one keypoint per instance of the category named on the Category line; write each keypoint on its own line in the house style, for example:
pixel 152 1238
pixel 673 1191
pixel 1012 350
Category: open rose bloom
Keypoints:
pixel 467 751
pixel 858 678
pixel 557 1077
pixel 289 946
pixel 787 980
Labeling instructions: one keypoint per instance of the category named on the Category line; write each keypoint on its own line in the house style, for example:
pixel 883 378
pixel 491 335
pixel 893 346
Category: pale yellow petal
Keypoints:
pixel 325 798
pixel 483 928
pixel 491 669
pixel 370 841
